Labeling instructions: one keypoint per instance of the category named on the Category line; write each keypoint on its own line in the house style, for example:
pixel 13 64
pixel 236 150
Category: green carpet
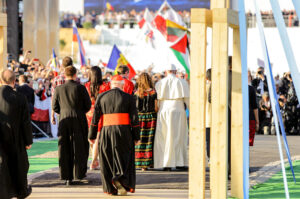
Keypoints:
pixel 274 187
pixel 42 164
pixel 42 147
pixel 38 164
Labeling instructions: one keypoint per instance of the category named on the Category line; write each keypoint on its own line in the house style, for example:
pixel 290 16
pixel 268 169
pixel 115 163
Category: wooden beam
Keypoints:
pixel 3 19
pixel 219 129
pixel 218 4
pixel 201 15
pixel 197 142
pixel 224 15
pixel 3 41
pixel 237 120
pixel 40 28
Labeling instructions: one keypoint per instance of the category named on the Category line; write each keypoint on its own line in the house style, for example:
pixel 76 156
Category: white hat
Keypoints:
pixel 171 67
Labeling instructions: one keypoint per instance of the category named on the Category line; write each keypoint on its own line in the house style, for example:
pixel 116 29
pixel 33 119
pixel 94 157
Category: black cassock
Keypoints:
pixel 71 101
pixel 116 144
pixel 15 135
pixel 4 177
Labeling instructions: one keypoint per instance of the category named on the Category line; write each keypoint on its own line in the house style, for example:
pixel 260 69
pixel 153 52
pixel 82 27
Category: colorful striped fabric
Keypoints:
pixel 144 150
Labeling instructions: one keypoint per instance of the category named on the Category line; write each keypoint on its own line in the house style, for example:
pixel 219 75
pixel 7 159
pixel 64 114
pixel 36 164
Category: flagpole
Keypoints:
pixel 73 50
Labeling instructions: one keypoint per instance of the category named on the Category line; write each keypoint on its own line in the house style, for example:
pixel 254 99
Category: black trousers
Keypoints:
pixel 208 142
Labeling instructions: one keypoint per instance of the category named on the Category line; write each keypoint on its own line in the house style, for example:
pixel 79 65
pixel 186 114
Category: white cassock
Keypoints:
pixel 171 136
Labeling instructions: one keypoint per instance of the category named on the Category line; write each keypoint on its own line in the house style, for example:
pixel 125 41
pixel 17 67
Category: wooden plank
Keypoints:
pixel 197 142
pixel 3 19
pixel 237 120
pixel 224 15
pixel 3 47
pixel 219 129
pixel 201 15
pixel 218 4
pixel 40 29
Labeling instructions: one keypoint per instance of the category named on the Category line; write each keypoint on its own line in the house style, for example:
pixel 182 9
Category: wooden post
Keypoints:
pixel 221 18
pixel 41 28
pixel 3 41
pixel 219 129
pixel 200 19
pixel 237 120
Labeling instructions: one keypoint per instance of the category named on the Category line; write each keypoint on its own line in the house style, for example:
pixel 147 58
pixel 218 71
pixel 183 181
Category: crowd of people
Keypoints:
pixel 119 19
pixel 40 78
pixel 290 17
pixel 123 108
pixel 127 124
pixel 111 18
pixel 287 100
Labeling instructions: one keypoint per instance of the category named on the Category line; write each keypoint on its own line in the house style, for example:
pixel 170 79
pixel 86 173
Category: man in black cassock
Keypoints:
pixel 120 131
pixel 71 101
pixel 15 138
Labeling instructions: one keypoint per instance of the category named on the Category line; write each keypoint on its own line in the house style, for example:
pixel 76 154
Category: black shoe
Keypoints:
pixel 121 190
pixel 182 168
pixel 167 169
pixel 69 182
pixel 29 191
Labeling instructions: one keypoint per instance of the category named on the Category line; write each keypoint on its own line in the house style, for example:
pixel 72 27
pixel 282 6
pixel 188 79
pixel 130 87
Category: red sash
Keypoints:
pixel 116 119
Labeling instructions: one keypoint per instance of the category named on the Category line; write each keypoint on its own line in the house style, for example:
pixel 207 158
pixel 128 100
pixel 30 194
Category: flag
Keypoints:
pixel 171 25
pixel 117 59
pixel 161 25
pixel 167 12
pixel 76 38
pixel 109 7
pixel 146 18
pixel 174 30
pixel 54 63
pixel 41 109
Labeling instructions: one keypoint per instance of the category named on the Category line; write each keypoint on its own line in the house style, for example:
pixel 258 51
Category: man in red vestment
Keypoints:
pixel 120 131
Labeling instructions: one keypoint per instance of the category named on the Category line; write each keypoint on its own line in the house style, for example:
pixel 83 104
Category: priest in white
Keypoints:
pixel 171 136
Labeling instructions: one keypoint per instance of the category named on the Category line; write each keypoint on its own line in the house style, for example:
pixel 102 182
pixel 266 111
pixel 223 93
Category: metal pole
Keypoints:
pixel 38 128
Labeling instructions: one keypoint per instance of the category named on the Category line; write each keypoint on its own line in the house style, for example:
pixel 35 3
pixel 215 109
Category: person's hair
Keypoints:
pixel 70 71
pixel 23 78
pixel 122 70
pixel 208 74
pixel 67 61
pixel 95 78
pixel 144 82
pixel 261 68
pixel 8 76
pixel 266 94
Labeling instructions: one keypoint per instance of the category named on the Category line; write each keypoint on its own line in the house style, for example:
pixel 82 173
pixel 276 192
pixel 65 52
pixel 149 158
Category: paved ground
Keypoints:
pixel 89 193
pixel 156 183
pixel 265 150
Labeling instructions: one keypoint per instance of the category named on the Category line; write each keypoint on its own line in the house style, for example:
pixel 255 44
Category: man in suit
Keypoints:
pixel 72 101
pixel 15 137
pixel 27 91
